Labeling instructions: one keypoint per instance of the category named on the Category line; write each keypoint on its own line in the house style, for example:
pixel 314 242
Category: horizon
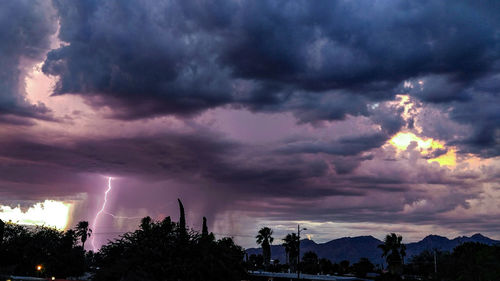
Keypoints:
pixel 237 237
pixel 348 118
pixel 278 238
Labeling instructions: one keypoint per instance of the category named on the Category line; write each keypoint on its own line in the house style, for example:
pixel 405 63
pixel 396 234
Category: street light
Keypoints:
pixel 39 269
pixel 298 250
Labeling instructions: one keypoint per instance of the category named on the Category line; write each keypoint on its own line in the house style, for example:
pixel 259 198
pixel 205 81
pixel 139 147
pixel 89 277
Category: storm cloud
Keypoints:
pixel 320 60
pixel 277 110
pixel 26 27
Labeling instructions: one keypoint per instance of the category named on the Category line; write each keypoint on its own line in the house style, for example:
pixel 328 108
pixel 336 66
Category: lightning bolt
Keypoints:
pixel 100 212
pixel 104 212
pixel 121 217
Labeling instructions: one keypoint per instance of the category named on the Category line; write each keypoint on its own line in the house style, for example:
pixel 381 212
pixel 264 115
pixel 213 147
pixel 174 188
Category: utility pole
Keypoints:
pixel 298 250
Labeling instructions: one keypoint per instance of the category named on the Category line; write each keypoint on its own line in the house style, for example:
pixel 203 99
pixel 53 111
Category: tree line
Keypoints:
pixel 468 261
pixel 157 250
pixel 168 250
pixel 37 251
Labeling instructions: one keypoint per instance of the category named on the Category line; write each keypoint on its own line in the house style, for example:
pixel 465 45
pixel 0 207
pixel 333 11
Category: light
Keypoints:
pixel 48 213
pixel 39 267
pixel 53 278
pixel 403 140
pixel 426 146
pixel 100 211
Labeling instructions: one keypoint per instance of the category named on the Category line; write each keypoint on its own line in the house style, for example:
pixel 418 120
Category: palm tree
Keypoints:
pixel 394 251
pixel 291 243
pixel 265 239
pixel 83 231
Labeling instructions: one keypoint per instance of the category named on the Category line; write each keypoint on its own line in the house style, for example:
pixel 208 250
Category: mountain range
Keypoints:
pixel 354 248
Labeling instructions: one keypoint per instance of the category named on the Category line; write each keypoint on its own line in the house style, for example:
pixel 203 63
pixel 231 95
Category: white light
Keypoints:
pixel 100 212
pixel 48 213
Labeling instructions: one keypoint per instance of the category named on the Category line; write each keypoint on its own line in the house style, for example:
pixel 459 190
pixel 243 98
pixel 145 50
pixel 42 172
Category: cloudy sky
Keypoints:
pixel 349 117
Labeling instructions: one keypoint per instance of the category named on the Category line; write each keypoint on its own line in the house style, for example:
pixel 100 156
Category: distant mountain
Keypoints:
pixel 444 244
pixel 336 250
pixel 354 248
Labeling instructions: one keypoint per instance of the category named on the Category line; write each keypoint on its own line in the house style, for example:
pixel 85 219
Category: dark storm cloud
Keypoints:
pixel 482 113
pixel 202 159
pixel 386 200
pixel 387 117
pixel 247 178
pixel 160 156
pixel 25 29
pixel 241 172
pixel 145 58
pixel 473 103
pixel 346 146
pixel 320 60
pixel 346 165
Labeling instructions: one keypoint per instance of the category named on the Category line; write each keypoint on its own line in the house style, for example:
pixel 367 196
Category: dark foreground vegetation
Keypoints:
pixel 167 250
pixel 158 250
pixel 40 251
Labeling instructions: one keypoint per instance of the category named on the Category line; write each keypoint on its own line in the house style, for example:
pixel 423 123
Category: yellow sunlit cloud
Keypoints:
pixel 48 213
pixel 447 159
pixel 403 139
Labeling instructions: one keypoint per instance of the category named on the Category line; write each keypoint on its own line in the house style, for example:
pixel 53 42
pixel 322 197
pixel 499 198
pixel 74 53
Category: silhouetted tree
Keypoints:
pixel 166 251
pixel 206 237
pixel 468 261
pixel 83 231
pixel 310 263
pixel 344 267
pixel 204 231
pixel 325 266
pixel 23 248
pixel 423 263
pixel 362 267
pixel 146 223
pixel 255 261
pixel 291 244
pixel 265 239
pixel 336 268
pixel 472 261
pixel 182 219
pixel 394 251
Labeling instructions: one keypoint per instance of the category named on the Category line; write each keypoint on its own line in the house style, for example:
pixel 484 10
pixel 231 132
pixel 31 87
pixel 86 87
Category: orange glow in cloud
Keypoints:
pixel 48 213
pixel 403 139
